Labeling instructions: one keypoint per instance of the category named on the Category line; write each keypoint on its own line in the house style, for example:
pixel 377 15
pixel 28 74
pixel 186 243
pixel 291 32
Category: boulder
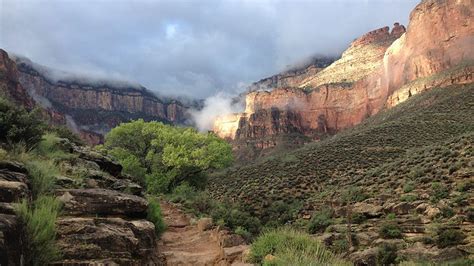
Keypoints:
pixel 232 254
pixel 11 191
pixel 369 210
pixel 10 240
pixel 204 224
pixel 365 257
pixel 101 202
pixel 84 239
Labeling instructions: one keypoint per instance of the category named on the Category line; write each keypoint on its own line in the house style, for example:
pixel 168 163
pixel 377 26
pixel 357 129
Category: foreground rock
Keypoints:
pixel 14 186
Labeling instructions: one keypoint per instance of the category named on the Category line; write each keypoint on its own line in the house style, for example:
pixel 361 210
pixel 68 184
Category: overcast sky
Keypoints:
pixel 193 48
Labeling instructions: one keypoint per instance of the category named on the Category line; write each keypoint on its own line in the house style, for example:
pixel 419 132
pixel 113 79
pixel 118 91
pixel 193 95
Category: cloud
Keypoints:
pixel 214 106
pixel 194 48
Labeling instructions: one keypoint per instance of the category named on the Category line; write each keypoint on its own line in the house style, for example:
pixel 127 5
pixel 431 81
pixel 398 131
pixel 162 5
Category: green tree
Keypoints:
pixel 166 155
pixel 18 125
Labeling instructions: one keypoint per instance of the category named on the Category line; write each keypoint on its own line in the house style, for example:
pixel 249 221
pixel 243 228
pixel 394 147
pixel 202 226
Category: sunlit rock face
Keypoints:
pixel 379 70
pixel 326 101
pixel 437 49
pixel 95 109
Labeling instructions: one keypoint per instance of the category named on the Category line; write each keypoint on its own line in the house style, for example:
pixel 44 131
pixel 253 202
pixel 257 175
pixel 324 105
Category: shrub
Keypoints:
pixel 447 237
pixel 470 215
pixel 447 212
pixel 66 133
pixel 439 191
pixel 39 221
pixel 340 246
pixel 49 147
pixel 292 247
pixel 408 187
pixel 387 254
pixel 320 221
pixel 42 175
pixel 155 216
pixel 279 213
pixel 353 194
pixel 358 218
pixel 182 193
pixel 408 197
pixel 390 230
pixel 18 125
pixel 241 231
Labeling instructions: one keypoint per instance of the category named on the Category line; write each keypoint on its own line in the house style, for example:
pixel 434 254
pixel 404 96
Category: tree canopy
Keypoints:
pixel 165 155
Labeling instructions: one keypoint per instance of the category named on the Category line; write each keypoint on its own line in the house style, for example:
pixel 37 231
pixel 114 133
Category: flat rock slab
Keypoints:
pixel 104 238
pixel 101 202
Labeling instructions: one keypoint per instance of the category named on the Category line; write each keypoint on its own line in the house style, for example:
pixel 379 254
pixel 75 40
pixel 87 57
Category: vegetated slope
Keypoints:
pixel 424 120
pixel 414 160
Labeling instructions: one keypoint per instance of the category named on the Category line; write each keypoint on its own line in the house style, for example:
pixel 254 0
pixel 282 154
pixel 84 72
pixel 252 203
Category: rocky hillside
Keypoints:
pixel 379 70
pixel 414 160
pixel 100 206
pixel 93 107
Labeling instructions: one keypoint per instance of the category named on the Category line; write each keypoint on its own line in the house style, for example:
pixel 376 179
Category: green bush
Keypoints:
pixel 155 216
pixel 353 194
pixel 42 176
pixel 157 182
pixel 50 148
pixel 39 221
pixel 18 125
pixel 447 237
pixel 387 254
pixel 320 221
pixel 408 187
pixel 241 231
pixel 340 246
pixel 183 193
pixel 439 191
pixel 66 133
pixel 470 215
pixel 390 230
pixel 279 213
pixel 358 218
pixel 292 247
pixel 408 197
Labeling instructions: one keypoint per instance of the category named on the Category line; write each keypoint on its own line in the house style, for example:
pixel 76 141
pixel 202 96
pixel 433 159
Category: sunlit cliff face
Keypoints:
pixel 226 126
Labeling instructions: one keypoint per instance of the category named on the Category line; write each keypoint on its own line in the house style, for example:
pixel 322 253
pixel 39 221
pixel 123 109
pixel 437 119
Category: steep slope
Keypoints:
pixel 423 141
pixel 10 87
pixel 379 70
pixel 93 107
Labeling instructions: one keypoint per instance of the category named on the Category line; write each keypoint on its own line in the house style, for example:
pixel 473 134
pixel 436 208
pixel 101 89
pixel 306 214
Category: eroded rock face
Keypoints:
pixel 10 86
pixel 116 240
pixel 101 202
pixel 92 109
pixel 379 70
pixel 14 186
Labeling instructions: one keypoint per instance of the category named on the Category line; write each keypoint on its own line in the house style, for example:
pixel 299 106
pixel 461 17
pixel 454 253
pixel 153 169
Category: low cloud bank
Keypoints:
pixel 220 104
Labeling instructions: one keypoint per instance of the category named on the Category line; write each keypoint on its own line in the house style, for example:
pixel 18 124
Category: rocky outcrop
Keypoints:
pixel 379 70
pixel 294 76
pixel 10 86
pixel 14 186
pixel 103 216
pixel 92 108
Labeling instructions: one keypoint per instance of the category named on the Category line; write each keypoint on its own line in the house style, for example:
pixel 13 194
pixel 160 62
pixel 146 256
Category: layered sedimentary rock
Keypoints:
pixel 379 70
pixel 92 108
pixel 10 86
pixel 293 77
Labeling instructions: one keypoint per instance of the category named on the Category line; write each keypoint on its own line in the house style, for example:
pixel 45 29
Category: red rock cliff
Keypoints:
pixel 378 70
pixel 10 86
pixel 93 109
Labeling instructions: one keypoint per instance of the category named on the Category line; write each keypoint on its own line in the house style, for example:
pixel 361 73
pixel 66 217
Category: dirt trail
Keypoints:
pixel 184 244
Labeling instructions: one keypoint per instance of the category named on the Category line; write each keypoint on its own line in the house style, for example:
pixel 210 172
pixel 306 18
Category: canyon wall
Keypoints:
pixel 379 70
pixel 93 109
pixel 10 87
